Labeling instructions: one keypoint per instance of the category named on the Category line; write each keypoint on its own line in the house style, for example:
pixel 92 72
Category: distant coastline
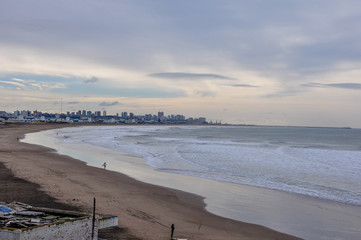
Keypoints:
pixel 165 124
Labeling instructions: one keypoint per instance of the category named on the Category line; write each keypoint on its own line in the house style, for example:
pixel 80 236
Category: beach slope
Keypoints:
pixel 145 211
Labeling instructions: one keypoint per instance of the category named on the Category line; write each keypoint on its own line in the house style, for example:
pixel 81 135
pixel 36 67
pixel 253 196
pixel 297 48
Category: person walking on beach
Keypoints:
pixel 172 228
pixel 104 165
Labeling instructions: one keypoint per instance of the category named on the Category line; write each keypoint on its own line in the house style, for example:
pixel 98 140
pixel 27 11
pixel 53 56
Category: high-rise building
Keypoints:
pixel 148 117
pixel 202 120
pixel 104 113
pixel 25 113
pixel 179 117
pixel 160 114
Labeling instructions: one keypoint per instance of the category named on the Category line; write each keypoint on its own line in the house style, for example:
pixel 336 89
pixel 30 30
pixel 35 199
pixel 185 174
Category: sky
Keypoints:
pixel 273 62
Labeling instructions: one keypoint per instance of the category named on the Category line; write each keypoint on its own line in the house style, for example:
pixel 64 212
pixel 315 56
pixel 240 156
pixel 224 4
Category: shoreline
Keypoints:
pixel 295 214
pixel 146 210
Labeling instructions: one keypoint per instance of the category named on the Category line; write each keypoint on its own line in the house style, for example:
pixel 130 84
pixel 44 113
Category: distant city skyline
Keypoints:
pixel 84 112
pixel 86 116
pixel 241 62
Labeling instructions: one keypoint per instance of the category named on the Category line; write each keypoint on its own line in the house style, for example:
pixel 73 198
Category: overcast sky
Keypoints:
pixel 280 62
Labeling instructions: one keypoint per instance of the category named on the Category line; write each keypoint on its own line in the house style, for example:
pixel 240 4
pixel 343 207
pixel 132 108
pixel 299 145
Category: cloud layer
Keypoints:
pixel 353 86
pixel 30 85
pixel 190 76
pixel 250 57
pixel 108 104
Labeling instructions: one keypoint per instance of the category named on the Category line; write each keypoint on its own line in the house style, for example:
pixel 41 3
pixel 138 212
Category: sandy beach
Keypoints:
pixel 145 211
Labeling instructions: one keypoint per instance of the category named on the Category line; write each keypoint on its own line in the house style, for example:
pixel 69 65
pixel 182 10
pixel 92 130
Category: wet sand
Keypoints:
pixel 145 211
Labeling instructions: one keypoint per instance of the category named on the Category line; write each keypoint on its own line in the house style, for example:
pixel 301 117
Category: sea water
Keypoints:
pixel 323 163
pixel 319 162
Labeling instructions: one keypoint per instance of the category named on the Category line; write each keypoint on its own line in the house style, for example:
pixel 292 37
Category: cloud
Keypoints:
pixel 189 76
pixel 108 104
pixel 18 80
pixel 91 80
pixel 353 86
pixel 114 90
pixel 36 85
pixel 284 93
pixel 296 91
pixel 243 85
pixel 17 84
pixel 29 84
pixel 205 93
pixel 74 102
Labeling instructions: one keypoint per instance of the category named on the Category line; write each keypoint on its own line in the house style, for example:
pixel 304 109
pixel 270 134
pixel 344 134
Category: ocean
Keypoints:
pixel 320 163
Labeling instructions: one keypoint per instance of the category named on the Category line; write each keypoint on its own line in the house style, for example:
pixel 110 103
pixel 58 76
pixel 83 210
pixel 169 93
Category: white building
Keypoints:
pixel 23 222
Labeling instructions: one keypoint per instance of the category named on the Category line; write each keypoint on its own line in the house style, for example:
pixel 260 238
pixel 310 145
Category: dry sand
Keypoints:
pixel 145 211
